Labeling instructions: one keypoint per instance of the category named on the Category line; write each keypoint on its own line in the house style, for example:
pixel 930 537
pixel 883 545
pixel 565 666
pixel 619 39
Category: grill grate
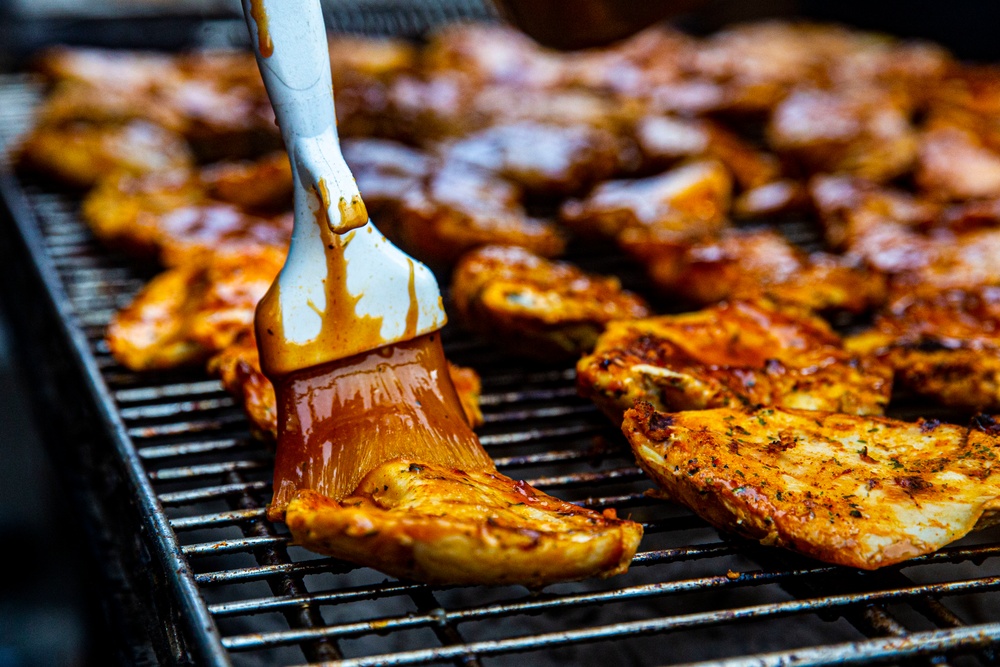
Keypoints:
pixel 249 597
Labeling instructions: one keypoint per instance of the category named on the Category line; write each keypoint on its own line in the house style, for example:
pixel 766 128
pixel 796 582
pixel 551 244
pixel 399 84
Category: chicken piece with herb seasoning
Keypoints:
pixel 737 354
pixel 852 490
pixel 539 308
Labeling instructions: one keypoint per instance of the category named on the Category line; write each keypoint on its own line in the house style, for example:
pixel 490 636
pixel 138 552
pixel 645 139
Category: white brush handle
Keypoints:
pixel 290 44
pixel 289 40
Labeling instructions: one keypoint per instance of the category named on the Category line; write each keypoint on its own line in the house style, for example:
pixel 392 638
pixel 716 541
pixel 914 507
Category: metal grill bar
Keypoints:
pixel 659 625
pixel 244 642
pixel 228 546
pixel 891 649
pixel 209 492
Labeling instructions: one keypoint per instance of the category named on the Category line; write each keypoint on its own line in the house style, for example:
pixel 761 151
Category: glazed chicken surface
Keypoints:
pixel 190 312
pixel 943 344
pixel 539 157
pixel 853 490
pixel 537 307
pixel 689 202
pixel 173 217
pixel 735 355
pixel 460 208
pixel 666 139
pixel 748 264
pixel 440 525
pixel 80 154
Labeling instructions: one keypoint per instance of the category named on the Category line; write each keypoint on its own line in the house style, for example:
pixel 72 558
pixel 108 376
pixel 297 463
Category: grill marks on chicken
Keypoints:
pixel 535 307
pixel 851 490
pixel 439 525
pixel 944 344
pixel 735 355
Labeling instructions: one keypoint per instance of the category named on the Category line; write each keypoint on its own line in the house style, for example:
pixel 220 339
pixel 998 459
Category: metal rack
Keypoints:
pixel 223 585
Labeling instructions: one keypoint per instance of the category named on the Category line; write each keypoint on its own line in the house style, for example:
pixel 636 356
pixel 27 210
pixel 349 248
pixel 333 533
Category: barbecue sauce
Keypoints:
pixel 259 15
pixel 339 420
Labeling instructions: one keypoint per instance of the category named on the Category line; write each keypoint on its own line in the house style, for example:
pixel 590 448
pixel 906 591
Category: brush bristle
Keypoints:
pixel 339 421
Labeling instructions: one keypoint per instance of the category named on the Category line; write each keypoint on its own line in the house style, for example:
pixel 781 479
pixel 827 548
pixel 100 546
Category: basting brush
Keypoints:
pixel 348 331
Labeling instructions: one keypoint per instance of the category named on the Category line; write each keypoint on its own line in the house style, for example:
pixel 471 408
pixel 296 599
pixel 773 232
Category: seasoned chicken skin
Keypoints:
pixel 745 264
pixel 539 308
pixel 864 492
pixel 736 355
pixel 944 344
pixel 238 368
pixel 444 526
pixel 188 313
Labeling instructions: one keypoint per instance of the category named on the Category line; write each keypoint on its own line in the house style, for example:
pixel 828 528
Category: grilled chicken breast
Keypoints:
pixel 688 202
pixel 536 307
pixel 737 355
pixel 664 139
pixel 541 158
pixel 954 164
pixel 460 208
pixel 944 344
pixel 238 368
pixel 917 244
pixel 81 154
pixel 170 216
pixel 859 491
pixel 859 131
pixel 188 313
pixel 748 264
pixel 444 526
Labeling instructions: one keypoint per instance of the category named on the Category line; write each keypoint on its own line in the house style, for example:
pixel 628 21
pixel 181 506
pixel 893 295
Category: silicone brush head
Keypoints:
pixel 340 420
